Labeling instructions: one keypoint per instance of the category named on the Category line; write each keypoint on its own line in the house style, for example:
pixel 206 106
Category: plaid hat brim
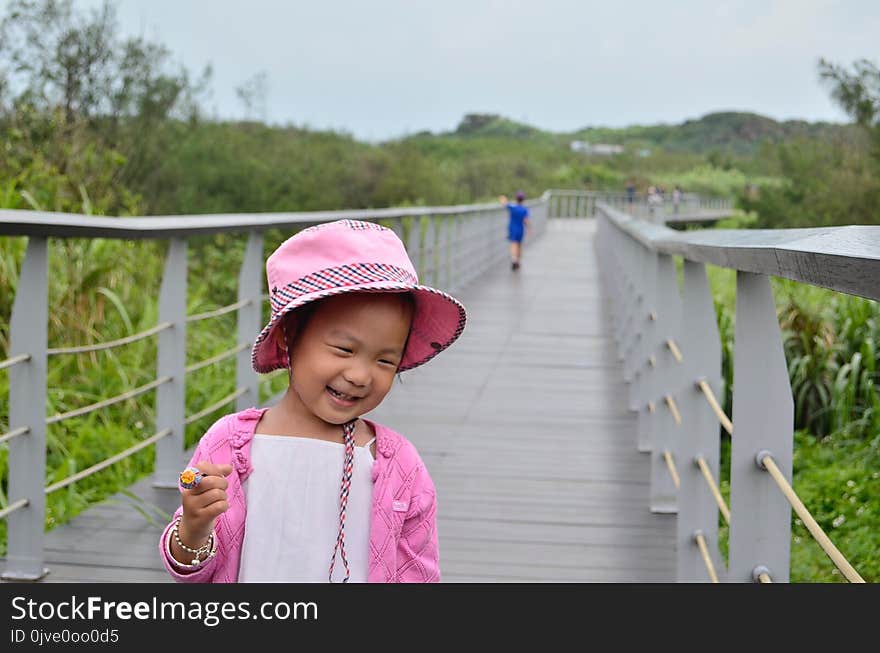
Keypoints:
pixel 438 321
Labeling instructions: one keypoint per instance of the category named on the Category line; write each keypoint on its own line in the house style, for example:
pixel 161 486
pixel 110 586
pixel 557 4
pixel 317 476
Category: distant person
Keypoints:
pixel 655 199
pixel 517 226
pixel 630 195
pixel 261 498
pixel 676 198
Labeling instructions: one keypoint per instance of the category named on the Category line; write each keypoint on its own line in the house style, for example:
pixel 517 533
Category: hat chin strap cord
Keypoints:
pixel 347 466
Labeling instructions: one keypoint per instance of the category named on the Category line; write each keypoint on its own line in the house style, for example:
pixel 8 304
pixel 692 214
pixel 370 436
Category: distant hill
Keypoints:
pixel 490 124
pixel 730 131
pixel 737 132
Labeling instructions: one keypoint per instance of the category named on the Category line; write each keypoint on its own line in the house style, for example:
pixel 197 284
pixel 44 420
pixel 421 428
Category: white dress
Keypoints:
pixel 292 518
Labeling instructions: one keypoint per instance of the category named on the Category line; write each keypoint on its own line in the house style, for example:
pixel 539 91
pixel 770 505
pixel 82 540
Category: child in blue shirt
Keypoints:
pixel 517 226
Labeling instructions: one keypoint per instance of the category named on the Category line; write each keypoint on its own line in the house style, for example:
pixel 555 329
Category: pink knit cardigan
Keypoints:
pixel 403 529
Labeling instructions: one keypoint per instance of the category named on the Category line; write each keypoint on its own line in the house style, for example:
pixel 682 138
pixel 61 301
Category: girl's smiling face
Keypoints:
pixel 345 356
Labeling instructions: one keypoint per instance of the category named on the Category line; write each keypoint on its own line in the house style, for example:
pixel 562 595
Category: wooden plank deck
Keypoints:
pixel 522 424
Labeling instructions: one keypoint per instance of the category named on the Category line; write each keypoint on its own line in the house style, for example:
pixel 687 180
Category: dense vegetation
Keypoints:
pixel 96 124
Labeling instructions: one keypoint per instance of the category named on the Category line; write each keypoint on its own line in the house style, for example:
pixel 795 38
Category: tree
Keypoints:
pixel 69 85
pixel 858 93
pixel 62 59
pixel 253 93
pixel 830 180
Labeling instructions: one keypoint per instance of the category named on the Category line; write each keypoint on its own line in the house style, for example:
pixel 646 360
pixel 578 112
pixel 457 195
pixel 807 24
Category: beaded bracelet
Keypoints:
pixel 209 547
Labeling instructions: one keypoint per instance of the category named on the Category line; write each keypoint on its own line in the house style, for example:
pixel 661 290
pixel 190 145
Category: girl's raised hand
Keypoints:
pixel 204 503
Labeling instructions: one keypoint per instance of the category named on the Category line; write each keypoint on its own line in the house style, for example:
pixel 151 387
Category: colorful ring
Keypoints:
pixel 190 477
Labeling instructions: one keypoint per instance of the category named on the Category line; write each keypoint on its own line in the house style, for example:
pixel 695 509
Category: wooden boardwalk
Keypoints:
pixel 522 424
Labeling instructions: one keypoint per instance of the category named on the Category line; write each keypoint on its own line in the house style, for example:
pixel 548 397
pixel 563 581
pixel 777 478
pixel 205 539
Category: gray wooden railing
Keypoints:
pixel 692 207
pixel 668 341
pixel 450 246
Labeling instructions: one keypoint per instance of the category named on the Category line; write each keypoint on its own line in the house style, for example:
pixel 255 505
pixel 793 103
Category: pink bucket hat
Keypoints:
pixel 353 256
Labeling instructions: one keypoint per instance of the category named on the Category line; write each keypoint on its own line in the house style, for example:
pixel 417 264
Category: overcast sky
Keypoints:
pixel 379 69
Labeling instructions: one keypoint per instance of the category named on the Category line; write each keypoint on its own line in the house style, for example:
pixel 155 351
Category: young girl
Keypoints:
pixel 262 499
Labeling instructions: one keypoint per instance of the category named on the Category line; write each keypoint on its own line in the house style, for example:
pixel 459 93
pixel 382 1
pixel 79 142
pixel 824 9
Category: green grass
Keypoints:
pixel 710 180
pixel 838 480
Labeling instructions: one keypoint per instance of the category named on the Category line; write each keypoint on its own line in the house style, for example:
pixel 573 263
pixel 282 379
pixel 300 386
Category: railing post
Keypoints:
pixel 463 250
pixel 493 240
pixel 28 334
pixel 444 257
pixel 455 272
pixel 250 282
pixel 490 241
pixel 626 282
pixel 642 391
pixel 430 260
pixel 414 244
pixel 760 516
pixel 474 246
pixel 611 253
pixel 397 228
pixel 171 397
pixel 701 352
pixel 632 318
pixel 485 251
pixel 633 259
pixel 535 219
pixel 664 378
pixel 497 239
pixel 478 251
pixel 539 218
pixel 545 214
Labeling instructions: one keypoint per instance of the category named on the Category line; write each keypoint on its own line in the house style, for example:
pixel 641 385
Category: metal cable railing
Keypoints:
pixel 765 461
pixel 85 410
pixel 110 344
pixel 210 409
pixel 673 408
pixel 229 353
pixel 135 392
pixel 713 487
pixel 15 360
pixel 673 347
pixel 218 312
pixel 108 461
pixel 703 385
pixel 673 471
pixel 12 507
pixel 700 539
pixel 21 430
